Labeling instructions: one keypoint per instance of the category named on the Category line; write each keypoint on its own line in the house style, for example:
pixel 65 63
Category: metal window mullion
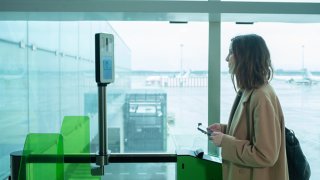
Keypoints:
pixel 214 77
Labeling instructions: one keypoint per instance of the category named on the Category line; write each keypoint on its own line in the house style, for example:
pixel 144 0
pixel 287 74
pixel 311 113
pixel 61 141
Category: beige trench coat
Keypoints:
pixel 266 158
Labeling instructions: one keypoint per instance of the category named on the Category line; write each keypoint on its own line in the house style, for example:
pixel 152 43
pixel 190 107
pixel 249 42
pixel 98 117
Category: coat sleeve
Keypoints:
pixel 265 149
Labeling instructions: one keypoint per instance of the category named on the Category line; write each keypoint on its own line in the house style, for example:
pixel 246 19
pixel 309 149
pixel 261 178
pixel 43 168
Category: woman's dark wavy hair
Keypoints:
pixel 252 62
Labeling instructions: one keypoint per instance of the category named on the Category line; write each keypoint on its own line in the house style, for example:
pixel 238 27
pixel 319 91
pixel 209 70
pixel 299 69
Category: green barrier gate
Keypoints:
pixel 42 144
pixel 67 156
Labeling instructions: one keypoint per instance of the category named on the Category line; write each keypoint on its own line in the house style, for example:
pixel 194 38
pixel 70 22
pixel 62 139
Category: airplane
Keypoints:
pixel 153 80
pixel 159 80
pixel 306 78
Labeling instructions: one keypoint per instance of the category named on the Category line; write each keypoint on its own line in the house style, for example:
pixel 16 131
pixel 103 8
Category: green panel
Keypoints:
pixel 76 134
pixel 189 167
pixel 76 137
pixel 42 144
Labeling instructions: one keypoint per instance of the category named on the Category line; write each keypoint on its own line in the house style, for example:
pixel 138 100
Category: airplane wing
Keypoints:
pixel 300 80
pixel 304 78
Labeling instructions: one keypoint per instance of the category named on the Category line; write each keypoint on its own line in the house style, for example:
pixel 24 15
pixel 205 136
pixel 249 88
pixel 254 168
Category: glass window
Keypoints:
pixel 43 76
pixel 168 94
pixel 13 95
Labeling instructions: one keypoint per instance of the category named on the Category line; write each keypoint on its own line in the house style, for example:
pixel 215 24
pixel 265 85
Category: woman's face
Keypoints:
pixel 231 61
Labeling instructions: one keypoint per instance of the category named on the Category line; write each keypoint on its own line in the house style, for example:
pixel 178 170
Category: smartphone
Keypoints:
pixel 204 130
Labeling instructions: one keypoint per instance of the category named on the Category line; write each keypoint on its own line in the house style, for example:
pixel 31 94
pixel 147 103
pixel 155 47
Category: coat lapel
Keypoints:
pixel 239 111
pixel 233 110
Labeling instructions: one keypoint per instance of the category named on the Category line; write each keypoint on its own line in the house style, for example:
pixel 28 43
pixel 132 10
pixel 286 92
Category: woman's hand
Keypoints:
pixel 216 127
pixel 216 138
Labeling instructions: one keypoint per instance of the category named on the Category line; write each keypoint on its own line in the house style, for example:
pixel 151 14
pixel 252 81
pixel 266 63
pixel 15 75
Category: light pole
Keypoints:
pixel 181 53
pixel 302 58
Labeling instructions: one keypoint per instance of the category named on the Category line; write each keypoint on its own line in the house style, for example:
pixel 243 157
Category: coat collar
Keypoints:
pixel 246 95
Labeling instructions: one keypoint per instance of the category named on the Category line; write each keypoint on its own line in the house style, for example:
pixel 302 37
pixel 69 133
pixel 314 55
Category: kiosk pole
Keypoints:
pixel 103 144
pixel 104 61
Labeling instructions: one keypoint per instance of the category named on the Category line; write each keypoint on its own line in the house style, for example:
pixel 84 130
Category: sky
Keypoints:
pixel 162 46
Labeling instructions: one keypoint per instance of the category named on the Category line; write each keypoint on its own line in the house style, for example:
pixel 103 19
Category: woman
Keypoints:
pixel 253 142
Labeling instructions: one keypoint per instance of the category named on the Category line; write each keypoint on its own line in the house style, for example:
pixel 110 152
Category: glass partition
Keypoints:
pixel 47 73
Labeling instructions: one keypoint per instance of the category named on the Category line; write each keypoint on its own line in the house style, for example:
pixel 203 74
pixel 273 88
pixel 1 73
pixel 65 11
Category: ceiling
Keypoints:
pixel 225 11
